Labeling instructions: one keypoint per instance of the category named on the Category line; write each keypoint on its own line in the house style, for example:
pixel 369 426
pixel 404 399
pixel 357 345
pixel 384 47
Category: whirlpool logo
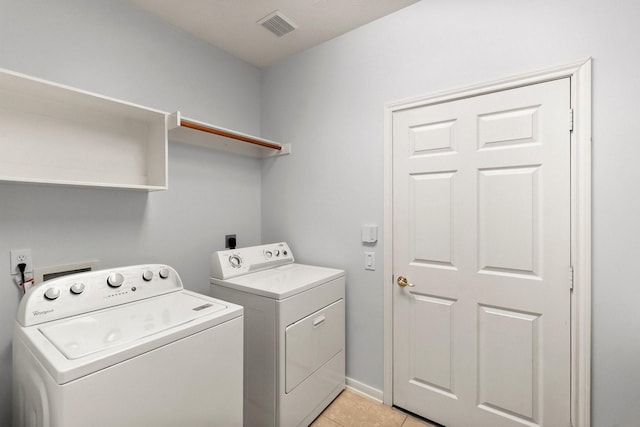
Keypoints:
pixel 42 313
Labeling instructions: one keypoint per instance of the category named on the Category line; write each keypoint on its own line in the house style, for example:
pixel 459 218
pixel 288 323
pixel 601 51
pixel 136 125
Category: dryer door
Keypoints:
pixel 313 341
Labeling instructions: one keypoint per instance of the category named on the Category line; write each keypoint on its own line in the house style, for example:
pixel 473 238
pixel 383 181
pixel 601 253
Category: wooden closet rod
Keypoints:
pixel 196 126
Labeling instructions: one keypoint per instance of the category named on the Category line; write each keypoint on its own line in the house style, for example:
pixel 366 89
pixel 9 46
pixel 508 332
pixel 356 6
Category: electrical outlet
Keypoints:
pixel 228 241
pixel 21 256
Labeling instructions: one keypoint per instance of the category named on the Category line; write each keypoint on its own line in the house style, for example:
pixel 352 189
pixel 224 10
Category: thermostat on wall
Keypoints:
pixel 369 233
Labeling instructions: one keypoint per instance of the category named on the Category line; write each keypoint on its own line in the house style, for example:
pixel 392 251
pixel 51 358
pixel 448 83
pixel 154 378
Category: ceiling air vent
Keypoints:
pixel 277 23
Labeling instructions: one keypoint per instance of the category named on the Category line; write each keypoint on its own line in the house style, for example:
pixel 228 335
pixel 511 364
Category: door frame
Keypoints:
pixel 580 74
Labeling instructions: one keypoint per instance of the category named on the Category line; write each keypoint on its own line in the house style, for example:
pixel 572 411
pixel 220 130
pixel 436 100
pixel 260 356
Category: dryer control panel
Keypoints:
pixel 85 292
pixel 240 261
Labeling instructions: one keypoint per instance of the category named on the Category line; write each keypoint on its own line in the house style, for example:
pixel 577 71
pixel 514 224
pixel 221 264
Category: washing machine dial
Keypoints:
pixel 235 261
pixel 115 280
pixel 268 254
pixel 277 252
pixel 164 273
pixel 147 275
pixel 77 288
pixel 52 293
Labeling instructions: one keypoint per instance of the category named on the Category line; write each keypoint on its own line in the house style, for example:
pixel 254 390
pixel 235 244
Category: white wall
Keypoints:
pixel 328 101
pixel 112 48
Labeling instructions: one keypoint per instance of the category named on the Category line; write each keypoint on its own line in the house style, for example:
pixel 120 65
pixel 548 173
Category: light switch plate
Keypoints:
pixel 369 260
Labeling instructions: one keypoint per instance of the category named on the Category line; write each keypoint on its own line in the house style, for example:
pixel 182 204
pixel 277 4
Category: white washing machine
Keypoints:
pixel 126 347
pixel 294 332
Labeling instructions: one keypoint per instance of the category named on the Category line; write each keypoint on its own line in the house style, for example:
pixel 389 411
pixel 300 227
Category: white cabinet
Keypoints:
pixel 54 134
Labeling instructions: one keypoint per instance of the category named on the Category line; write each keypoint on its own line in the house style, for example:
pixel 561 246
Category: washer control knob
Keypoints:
pixel 77 288
pixel 235 261
pixel 147 275
pixel 277 252
pixel 52 293
pixel 115 280
pixel 268 254
pixel 164 273
pixel 285 253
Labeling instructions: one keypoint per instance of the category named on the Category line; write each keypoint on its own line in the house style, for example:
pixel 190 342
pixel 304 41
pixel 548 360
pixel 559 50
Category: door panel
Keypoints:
pixel 508 374
pixel 434 346
pixel 508 219
pixel 432 138
pixel 432 236
pixel 505 128
pixel 481 208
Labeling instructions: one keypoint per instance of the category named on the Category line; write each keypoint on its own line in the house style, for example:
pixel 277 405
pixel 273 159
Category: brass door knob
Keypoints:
pixel 402 282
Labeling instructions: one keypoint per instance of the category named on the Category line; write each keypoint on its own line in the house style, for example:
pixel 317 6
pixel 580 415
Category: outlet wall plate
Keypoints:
pixel 21 256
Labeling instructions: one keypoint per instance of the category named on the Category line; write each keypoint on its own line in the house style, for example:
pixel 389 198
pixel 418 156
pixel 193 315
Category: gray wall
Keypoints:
pixel 329 101
pixel 112 48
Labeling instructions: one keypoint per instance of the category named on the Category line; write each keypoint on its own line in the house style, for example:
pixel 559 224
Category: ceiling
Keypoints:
pixel 232 24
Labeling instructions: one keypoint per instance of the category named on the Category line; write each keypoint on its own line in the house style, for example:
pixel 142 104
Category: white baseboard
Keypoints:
pixel 363 389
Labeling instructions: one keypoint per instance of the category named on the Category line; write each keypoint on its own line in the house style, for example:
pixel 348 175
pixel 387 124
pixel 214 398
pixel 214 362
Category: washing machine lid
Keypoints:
pixel 94 332
pixel 283 281
pixel 73 347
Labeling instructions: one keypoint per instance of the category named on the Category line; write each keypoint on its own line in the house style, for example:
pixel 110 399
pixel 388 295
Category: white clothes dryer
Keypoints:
pixel 294 332
pixel 126 347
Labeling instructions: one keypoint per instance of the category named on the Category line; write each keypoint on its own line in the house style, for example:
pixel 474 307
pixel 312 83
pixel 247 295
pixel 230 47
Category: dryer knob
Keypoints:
pixel 52 293
pixel 77 288
pixel 235 261
pixel 164 273
pixel 115 280
pixel 147 275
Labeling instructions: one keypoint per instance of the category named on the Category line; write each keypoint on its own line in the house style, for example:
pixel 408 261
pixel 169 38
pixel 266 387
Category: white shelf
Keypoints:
pixel 189 131
pixel 54 134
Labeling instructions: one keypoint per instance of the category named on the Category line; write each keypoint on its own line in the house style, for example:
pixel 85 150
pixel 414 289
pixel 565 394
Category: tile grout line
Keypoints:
pixel 335 421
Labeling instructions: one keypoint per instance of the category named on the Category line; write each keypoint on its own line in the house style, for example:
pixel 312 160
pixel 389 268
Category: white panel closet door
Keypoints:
pixel 481 208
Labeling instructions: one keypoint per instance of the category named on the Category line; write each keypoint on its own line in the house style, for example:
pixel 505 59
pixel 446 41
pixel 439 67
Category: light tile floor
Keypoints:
pixel 351 409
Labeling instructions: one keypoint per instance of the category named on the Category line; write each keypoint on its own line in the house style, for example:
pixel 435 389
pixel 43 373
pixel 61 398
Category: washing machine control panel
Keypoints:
pixel 236 262
pixel 94 290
